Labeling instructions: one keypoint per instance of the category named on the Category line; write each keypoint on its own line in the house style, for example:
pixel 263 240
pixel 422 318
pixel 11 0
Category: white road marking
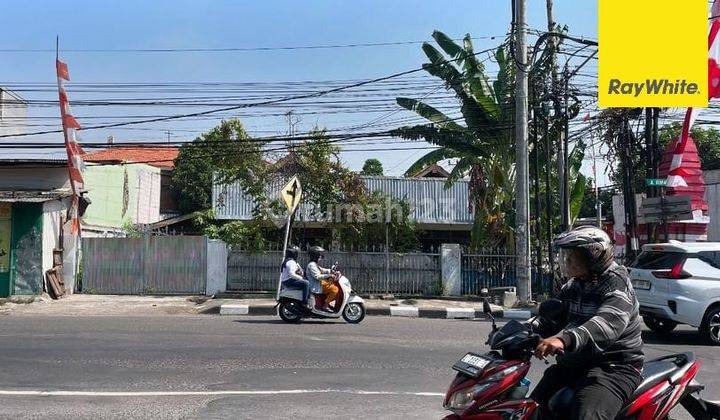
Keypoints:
pixel 31 392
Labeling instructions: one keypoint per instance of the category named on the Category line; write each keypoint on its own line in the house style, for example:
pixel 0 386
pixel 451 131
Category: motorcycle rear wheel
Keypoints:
pixel 288 312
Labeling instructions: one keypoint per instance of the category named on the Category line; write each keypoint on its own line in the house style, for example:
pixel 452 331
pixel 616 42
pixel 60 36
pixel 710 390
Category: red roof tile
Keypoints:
pixel 161 157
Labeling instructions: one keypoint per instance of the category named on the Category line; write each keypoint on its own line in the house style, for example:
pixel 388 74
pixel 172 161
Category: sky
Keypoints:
pixel 247 76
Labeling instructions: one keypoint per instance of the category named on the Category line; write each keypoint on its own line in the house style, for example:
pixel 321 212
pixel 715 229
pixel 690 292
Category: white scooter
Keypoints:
pixel 348 305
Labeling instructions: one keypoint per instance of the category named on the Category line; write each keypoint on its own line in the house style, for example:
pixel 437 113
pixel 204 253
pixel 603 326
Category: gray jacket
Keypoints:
pixel 314 274
pixel 601 322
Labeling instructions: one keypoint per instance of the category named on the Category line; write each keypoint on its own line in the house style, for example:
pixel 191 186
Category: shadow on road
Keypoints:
pixel 684 338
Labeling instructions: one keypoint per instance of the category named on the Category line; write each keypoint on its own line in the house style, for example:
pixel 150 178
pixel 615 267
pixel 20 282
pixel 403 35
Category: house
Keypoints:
pixel 431 171
pixel 13 112
pixel 128 185
pixel 441 214
pixel 34 229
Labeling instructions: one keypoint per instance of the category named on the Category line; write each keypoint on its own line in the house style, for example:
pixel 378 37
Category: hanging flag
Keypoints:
pixel 676 175
pixel 74 151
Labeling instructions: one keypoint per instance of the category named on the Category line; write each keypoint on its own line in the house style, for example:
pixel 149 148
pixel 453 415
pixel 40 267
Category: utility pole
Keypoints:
pixel 557 133
pixel 565 186
pixel 536 183
pixel 522 178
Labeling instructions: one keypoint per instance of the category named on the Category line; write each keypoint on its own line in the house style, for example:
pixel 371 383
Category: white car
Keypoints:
pixel 679 283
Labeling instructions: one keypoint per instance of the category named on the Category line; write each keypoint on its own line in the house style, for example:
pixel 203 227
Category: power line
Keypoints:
pixel 230 49
pixel 255 104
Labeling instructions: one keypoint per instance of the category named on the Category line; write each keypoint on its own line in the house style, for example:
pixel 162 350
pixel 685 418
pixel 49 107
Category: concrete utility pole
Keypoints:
pixel 557 133
pixel 522 176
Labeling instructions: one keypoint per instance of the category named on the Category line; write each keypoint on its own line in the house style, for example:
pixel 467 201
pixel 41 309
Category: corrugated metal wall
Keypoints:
pixel 413 274
pixel 429 200
pixel 150 265
pixel 712 194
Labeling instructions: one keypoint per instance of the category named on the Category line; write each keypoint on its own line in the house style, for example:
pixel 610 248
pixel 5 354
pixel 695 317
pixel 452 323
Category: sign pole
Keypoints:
pixel 290 194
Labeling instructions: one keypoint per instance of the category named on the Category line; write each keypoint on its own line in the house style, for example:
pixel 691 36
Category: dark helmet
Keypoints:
pixel 315 252
pixel 595 243
pixel 292 252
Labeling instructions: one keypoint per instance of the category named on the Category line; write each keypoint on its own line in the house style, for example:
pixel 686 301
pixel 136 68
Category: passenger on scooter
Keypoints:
pixel 597 335
pixel 292 274
pixel 321 278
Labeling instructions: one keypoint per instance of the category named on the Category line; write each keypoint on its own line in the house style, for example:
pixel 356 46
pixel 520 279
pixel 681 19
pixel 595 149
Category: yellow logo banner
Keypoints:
pixel 653 53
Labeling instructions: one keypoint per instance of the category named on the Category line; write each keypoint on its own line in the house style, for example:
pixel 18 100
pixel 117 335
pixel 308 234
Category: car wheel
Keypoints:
pixel 658 325
pixel 710 328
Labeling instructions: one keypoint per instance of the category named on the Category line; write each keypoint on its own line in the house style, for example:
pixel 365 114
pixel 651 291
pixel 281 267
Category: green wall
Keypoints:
pixel 113 190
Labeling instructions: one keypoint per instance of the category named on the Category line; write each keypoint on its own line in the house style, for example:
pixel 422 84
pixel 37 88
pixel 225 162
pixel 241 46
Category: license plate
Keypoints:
pixel 641 284
pixel 471 364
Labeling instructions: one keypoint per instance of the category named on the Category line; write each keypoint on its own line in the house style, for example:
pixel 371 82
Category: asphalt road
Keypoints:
pixel 249 367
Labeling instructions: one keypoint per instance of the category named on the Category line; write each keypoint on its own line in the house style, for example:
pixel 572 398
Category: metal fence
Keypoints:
pixel 369 272
pixel 495 268
pixel 148 265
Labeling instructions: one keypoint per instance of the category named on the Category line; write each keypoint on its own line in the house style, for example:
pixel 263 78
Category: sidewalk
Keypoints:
pixel 116 305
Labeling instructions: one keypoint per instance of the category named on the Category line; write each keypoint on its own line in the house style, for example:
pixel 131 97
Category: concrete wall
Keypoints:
pixel 122 194
pixel 217 256
pixel 451 267
pixel 54 214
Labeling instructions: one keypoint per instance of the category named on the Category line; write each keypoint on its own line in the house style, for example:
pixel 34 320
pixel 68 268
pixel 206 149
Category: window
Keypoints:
pixel 710 257
pixel 657 260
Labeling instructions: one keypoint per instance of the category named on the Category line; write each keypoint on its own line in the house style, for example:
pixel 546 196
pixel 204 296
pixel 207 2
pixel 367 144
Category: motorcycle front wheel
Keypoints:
pixel 353 313
pixel 288 312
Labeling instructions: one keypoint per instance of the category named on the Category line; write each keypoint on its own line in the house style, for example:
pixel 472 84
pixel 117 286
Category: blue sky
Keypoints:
pixel 222 24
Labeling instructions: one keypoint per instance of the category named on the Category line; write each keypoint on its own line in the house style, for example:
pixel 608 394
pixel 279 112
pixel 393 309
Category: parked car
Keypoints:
pixel 679 283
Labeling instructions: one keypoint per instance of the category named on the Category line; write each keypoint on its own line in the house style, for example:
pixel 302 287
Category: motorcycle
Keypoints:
pixel 493 385
pixel 347 304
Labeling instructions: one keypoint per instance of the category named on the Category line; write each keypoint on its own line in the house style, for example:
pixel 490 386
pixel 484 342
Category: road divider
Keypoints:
pixel 396 311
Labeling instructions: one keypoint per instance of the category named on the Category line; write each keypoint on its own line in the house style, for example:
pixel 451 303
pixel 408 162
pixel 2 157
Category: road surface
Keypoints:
pixel 205 366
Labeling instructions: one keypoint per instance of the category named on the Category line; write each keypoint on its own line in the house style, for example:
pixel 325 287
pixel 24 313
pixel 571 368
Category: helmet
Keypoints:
pixel 292 252
pixel 594 242
pixel 316 252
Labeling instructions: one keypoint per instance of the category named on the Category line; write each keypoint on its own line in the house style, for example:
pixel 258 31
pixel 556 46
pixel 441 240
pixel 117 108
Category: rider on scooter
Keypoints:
pixel 597 336
pixel 291 273
pixel 321 278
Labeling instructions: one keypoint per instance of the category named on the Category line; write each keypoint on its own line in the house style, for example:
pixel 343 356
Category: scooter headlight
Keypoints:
pixel 464 397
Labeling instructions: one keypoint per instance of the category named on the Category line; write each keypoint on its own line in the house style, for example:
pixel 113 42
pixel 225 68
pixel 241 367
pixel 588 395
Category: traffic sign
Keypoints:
pixel 666 209
pixel 291 193
pixel 656 182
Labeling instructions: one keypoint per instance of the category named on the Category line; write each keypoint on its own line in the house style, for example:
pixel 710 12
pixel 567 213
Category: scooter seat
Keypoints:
pixel 654 372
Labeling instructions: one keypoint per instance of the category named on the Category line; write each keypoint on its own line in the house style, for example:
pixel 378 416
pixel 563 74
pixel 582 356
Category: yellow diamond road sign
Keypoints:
pixel 291 193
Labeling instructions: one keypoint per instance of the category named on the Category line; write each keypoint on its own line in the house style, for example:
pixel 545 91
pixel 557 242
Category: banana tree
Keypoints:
pixel 482 139
pixel 482 144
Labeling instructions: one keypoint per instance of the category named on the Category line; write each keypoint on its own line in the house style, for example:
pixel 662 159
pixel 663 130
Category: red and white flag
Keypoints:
pixel 74 152
pixel 675 176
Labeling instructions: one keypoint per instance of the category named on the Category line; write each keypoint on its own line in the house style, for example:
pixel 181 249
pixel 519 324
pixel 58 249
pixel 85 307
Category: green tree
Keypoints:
pixel 372 167
pixel 484 145
pixel 482 140
pixel 226 151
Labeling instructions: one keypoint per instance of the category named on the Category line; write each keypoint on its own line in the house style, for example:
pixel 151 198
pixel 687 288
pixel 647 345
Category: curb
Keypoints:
pixel 395 311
